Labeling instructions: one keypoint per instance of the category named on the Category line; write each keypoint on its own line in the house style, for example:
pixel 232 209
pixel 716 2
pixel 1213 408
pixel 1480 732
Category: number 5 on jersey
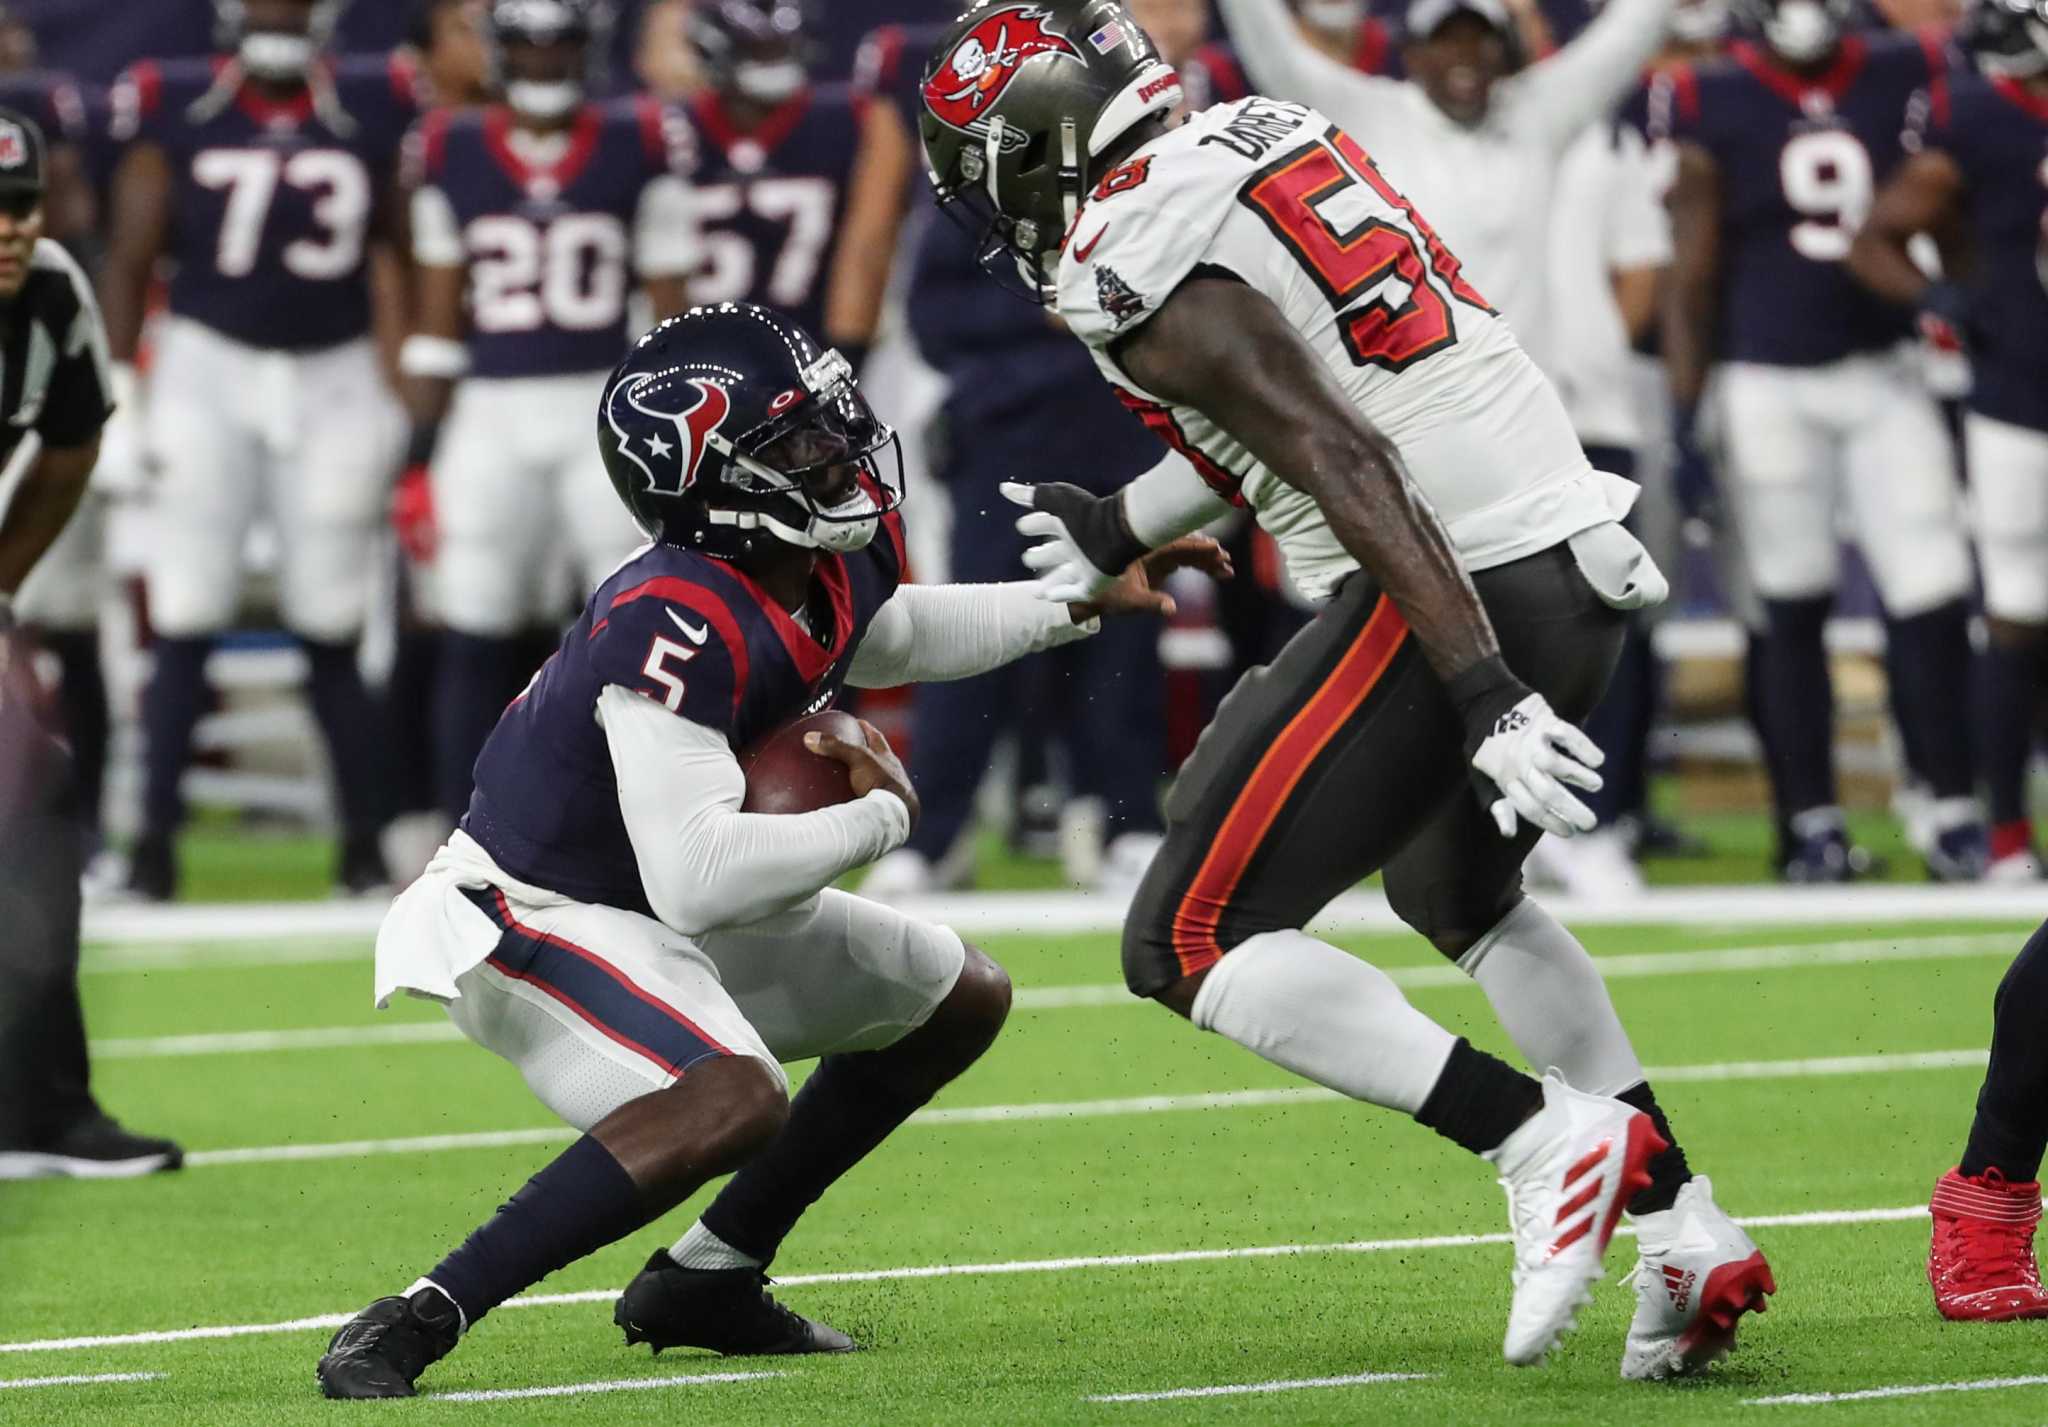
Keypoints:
pixel 1304 198
pixel 660 654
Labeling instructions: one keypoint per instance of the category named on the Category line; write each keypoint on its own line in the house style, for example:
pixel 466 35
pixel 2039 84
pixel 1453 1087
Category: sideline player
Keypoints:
pixel 531 220
pixel 1273 308
pixel 797 191
pixel 611 922
pixel 1822 407
pixel 266 176
pixel 53 405
pixel 1981 170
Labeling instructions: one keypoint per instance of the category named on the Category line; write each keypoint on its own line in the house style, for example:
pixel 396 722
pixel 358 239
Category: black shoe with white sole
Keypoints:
pixel 97 1148
pixel 382 1351
pixel 727 1310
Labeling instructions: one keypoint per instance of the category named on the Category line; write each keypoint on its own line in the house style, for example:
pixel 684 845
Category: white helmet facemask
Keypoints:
pixel 543 99
pixel 275 54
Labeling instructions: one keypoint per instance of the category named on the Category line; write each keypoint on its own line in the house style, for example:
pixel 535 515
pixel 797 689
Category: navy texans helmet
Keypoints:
pixel 559 83
pixel 762 50
pixel 724 427
pixel 1799 31
pixel 278 55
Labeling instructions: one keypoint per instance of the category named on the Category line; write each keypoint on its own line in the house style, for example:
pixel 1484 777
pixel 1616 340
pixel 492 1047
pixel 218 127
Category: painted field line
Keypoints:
pixel 1808 1219
pixel 1865 905
pixel 1241 1389
pixel 1870 1394
pixel 1822 1066
pixel 1617 967
pixel 81 1379
pixel 582 1389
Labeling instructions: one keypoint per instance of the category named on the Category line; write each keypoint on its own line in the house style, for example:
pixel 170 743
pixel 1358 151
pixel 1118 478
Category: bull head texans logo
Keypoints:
pixel 664 422
pixel 960 92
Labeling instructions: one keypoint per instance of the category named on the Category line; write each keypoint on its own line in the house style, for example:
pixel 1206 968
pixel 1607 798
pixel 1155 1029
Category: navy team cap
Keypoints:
pixel 23 154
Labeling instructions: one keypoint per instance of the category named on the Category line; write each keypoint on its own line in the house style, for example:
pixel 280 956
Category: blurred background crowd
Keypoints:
pixel 353 495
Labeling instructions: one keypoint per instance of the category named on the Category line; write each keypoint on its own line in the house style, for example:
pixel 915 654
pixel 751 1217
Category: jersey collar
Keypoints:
pixel 583 135
pixel 717 122
pixel 1795 89
pixel 811 658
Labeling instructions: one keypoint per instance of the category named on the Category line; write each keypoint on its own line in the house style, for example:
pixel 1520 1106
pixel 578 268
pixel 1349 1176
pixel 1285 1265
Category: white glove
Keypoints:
pixel 1065 573
pixel 1530 756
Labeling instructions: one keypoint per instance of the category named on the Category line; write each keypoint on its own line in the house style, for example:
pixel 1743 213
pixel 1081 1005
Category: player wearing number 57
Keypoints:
pixel 265 176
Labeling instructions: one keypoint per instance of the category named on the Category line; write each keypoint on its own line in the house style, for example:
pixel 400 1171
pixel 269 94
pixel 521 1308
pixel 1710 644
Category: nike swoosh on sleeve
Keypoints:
pixel 1087 250
pixel 695 633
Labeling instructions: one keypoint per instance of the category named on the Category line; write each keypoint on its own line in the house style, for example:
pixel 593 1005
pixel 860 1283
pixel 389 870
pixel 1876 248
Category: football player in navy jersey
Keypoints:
pixel 265 176
pixel 611 921
pixel 533 220
pixel 797 187
pixel 1981 169
pixel 1822 407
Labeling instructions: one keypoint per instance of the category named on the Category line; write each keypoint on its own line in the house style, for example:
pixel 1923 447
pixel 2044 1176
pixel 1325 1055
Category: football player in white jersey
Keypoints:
pixel 1284 318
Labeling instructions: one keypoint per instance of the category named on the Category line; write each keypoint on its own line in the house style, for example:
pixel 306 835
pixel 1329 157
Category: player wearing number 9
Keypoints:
pixel 265 177
pixel 534 218
pixel 1780 146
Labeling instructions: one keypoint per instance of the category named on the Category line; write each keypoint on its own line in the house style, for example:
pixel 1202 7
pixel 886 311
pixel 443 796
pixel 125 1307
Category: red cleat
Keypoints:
pixel 1981 1265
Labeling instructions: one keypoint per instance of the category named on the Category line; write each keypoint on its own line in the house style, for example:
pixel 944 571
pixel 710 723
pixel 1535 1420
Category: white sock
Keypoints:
pixel 1550 1000
pixel 700 1248
pixel 1324 1014
pixel 461 1318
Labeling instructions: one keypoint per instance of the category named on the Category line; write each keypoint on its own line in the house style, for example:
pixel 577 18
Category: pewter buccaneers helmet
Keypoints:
pixel 1019 103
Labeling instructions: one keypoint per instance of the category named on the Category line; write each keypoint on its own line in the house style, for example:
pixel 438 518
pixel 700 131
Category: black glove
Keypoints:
pixel 1083 542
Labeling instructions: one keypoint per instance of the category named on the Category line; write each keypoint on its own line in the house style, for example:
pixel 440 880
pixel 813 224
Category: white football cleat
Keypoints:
pixel 1568 1172
pixel 1697 1274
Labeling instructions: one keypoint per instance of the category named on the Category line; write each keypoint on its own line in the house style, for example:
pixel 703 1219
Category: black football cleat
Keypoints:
pixel 153 868
pixel 94 1148
pixel 727 1310
pixel 360 871
pixel 382 1351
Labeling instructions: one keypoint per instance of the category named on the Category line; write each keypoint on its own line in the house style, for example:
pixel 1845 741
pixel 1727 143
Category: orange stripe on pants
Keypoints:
pixel 1251 816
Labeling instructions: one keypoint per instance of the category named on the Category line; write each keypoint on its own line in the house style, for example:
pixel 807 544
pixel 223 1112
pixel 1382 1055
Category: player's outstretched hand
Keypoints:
pixel 1141 588
pixel 1079 541
pixel 869 766
pixel 1528 759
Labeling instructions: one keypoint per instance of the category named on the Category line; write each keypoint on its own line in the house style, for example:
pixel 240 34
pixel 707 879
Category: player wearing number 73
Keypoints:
pixel 266 176
pixel 532 218
pixel 1276 310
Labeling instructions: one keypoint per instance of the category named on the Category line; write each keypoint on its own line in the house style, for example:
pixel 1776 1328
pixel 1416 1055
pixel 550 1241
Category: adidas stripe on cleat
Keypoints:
pixel 1697 1274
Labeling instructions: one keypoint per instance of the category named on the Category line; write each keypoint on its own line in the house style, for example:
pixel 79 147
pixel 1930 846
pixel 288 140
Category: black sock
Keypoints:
pixel 82 701
pixel 474 680
pixel 576 1205
pixel 842 1112
pixel 1668 1169
pixel 2011 1127
pixel 1479 1100
pixel 2008 676
pixel 348 718
pixel 1927 660
pixel 171 706
pixel 1795 700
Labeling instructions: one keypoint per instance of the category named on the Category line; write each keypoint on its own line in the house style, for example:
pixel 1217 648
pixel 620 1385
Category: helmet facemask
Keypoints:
pixel 277 56
pixel 2008 38
pixel 1017 248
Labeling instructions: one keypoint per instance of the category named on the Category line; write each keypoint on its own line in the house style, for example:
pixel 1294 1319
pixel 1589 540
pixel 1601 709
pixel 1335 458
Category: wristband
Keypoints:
pixel 1483 692
pixel 424 356
pixel 419 446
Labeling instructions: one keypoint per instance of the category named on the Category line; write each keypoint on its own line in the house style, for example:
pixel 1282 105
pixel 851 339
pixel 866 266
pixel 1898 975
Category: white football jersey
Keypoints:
pixel 1277 196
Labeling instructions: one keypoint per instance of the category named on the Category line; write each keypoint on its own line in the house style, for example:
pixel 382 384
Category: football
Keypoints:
pixel 783 776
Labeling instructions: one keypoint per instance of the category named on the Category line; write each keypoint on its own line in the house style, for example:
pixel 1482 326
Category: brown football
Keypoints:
pixel 783 776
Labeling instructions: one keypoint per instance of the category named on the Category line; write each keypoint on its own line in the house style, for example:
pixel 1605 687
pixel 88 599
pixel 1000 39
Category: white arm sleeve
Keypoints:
pixel 1284 65
pixel 1170 501
pixel 1560 96
pixel 665 240
pixel 703 862
pixel 929 633
pixel 1639 228
pixel 436 235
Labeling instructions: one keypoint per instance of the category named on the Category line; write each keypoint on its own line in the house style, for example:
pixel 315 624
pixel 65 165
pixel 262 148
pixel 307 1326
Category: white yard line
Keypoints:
pixel 1823 1066
pixel 1871 1394
pixel 1241 1389
pixel 1864 905
pixel 81 1379
pixel 1618 967
pixel 582 1389
pixel 1811 1219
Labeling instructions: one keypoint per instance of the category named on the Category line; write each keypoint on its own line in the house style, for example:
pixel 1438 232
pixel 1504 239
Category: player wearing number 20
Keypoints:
pixel 263 176
pixel 532 219
pixel 1821 401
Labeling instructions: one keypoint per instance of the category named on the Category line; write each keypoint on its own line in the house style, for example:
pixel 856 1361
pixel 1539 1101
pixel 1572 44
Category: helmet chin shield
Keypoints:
pixel 270 54
pixel 771 81
pixel 545 100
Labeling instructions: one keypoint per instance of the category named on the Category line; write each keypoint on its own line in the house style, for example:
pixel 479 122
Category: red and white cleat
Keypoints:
pixel 1697 1273
pixel 1981 1264
pixel 1568 1172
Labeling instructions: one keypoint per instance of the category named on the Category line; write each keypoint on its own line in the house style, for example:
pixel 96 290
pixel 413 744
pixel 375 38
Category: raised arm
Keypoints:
pixel 1284 65
pixel 1582 82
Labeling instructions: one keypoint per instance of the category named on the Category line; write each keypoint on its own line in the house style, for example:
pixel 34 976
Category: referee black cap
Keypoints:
pixel 24 156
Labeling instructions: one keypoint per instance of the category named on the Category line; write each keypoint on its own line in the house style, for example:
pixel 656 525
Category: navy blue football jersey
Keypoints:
pixel 1997 133
pixel 769 202
pixel 273 204
pixel 549 250
pixel 689 632
pixel 1800 159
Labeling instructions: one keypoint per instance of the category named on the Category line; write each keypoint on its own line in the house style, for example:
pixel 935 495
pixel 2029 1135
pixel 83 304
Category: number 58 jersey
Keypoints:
pixel 1276 196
